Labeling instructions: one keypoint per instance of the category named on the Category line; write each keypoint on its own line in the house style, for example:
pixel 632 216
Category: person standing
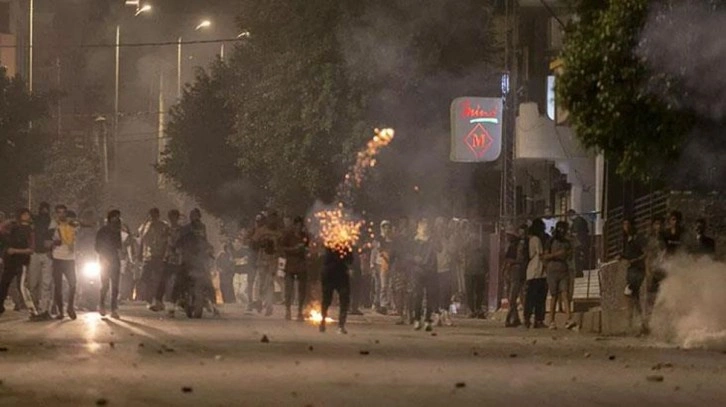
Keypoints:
pixel 108 247
pixel 444 269
pixel 154 236
pixel 423 275
pixel 556 257
pixel 381 262
pixel 475 270
pixel 536 297
pixel 674 233
pixel 225 266
pixel 172 261
pixel 18 239
pixel 516 259
pixel 40 270
pixel 634 256
pixel 703 245
pixel 64 264
pixel 654 273
pixel 295 248
pixel 336 277
pixel 266 240
pixel 401 273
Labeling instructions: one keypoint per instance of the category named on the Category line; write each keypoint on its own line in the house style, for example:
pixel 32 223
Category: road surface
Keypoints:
pixel 148 359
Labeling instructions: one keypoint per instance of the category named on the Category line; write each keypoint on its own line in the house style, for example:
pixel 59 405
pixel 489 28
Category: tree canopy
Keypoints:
pixel 21 147
pixel 281 119
pixel 632 71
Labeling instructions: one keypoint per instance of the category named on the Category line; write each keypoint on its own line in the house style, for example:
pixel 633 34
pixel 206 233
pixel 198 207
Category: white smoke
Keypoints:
pixel 691 303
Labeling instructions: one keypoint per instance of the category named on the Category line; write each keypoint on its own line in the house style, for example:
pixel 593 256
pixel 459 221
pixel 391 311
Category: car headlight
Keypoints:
pixel 92 269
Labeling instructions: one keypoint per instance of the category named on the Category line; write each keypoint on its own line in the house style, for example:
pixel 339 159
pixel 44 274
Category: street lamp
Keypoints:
pixel 143 9
pixel 202 24
pixel 139 10
pixel 243 34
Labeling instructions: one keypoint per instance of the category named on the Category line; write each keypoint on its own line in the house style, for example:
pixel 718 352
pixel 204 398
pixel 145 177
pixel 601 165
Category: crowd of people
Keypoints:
pixel 420 271
pixel 44 254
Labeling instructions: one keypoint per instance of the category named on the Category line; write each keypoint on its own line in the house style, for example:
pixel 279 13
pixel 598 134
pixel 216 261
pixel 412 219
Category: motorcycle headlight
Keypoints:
pixel 92 269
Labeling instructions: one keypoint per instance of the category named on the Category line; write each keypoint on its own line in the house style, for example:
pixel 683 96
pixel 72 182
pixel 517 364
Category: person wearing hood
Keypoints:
pixel 40 270
pixel 108 247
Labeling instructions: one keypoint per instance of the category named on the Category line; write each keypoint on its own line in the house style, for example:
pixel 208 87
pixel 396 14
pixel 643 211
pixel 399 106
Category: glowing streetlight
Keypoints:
pixel 244 34
pixel 143 9
pixel 203 24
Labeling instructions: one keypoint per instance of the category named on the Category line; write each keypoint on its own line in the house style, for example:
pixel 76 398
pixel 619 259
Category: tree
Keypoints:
pixel 21 147
pixel 607 89
pixel 199 159
pixel 288 110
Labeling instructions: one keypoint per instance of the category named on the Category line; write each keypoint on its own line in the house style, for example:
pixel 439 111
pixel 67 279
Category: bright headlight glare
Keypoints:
pixel 92 269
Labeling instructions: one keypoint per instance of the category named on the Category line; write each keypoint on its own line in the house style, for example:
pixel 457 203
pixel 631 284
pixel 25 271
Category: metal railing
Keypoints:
pixel 643 210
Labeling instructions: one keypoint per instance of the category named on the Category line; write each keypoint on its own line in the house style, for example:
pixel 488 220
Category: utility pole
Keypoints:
pixel 508 205
pixel 160 136
pixel 31 13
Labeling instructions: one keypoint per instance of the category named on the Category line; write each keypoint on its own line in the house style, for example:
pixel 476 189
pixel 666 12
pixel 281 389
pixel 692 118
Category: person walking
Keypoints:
pixel 381 262
pixel 475 269
pixel 154 237
pixel 108 247
pixel 40 269
pixel 335 277
pixel 295 248
pixel 64 261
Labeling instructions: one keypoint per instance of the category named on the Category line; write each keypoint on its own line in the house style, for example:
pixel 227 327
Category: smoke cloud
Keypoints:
pixel 690 306
pixel 686 43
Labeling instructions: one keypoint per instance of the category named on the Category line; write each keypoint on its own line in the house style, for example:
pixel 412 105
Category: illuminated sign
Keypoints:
pixel 476 129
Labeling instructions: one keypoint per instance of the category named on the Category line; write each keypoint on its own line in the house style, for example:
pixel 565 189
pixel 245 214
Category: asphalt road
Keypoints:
pixel 148 359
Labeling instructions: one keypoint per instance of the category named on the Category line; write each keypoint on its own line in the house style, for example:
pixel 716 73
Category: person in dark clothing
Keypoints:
pixel 194 275
pixel 172 261
pixel 704 245
pixel 108 247
pixel 18 239
pixel 225 266
pixel 516 259
pixel 357 284
pixel 40 272
pixel 423 275
pixel 294 246
pixel 634 255
pixel 536 297
pixel 335 277
pixel 673 233
pixel 475 270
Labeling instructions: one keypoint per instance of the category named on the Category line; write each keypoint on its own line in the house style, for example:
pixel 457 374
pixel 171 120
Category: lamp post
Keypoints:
pixel 202 24
pixel 139 10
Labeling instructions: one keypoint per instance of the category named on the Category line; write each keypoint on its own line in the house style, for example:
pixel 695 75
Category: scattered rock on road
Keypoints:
pixel 460 385
pixel 187 389
pixel 611 357
pixel 310 348
pixel 101 402
pixel 365 352
pixel 3 349
pixel 655 378
pixel 218 358
pixel 112 345
pixel 587 355
pixel 265 339
pixel 513 355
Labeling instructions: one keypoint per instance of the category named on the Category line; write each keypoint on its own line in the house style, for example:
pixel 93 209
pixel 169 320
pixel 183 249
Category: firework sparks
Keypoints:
pixel 338 231
pixel 367 158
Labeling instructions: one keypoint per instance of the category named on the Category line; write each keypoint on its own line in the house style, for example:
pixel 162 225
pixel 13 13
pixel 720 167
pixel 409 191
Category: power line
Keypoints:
pixel 135 44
